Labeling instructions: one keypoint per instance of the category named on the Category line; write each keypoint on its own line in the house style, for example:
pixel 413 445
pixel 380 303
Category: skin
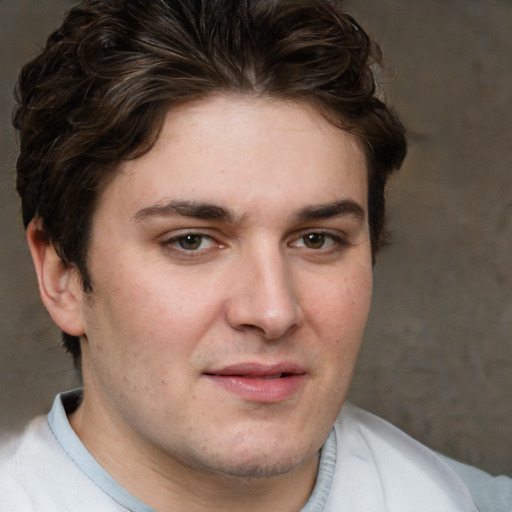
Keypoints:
pixel 276 270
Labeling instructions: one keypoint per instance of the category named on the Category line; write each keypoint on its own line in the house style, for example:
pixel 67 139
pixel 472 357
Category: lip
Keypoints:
pixel 256 382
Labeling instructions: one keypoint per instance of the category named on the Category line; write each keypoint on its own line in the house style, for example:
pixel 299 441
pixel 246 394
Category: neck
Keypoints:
pixel 164 484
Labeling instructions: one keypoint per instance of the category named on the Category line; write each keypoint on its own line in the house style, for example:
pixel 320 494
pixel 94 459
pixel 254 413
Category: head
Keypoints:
pixel 99 92
pixel 203 183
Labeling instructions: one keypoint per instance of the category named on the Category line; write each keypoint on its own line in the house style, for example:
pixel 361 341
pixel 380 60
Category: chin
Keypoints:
pixel 257 462
pixel 258 469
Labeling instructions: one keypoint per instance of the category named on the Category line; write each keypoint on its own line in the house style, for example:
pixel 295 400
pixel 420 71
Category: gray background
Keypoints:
pixel 437 359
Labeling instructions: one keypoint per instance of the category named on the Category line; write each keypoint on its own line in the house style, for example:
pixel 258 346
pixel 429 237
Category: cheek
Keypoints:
pixel 152 314
pixel 343 303
pixel 339 316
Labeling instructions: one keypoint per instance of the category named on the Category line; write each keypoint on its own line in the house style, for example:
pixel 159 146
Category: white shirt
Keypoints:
pixel 366 465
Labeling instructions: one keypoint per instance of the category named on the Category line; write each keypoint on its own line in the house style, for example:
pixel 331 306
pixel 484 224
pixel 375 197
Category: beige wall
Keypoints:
pixel 438 354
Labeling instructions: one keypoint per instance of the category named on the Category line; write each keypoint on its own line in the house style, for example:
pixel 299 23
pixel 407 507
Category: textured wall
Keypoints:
pixel 438 354
pixel 32 365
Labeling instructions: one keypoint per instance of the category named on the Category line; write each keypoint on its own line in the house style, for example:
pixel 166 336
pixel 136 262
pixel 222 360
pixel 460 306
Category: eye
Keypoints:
pixel 191 242
pixel 317 240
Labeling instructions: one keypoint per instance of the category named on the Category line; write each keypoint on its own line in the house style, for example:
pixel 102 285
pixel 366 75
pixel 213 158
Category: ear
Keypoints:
pixel 59 284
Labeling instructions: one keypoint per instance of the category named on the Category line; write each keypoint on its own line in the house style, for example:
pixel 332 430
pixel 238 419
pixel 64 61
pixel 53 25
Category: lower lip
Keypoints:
pixel 260 389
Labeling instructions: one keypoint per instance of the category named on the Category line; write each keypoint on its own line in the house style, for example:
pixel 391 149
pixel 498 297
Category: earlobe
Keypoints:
pixel 59 284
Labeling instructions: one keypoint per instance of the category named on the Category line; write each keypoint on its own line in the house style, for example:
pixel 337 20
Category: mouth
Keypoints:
pixel 259 383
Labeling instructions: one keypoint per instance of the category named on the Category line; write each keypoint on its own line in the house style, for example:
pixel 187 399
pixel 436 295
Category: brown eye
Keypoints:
pixel 314 240
pixel 190 242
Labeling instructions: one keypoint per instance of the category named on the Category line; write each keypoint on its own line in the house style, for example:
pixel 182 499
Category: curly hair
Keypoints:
pixel 98 92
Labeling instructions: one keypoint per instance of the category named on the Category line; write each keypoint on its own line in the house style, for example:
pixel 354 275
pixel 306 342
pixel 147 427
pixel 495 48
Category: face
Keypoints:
pixel 231 272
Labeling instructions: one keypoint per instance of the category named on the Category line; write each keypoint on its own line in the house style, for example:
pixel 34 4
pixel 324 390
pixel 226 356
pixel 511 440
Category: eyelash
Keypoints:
pixel 175 244
pixel 336 243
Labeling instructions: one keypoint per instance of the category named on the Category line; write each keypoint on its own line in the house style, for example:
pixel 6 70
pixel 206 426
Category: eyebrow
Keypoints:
pixel 208 211
pixel 198 210
pixel 334 209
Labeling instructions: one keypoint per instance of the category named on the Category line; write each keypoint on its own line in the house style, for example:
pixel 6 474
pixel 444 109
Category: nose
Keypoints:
pixel 263 296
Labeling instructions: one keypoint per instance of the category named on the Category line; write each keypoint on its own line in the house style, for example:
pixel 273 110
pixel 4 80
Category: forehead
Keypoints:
pixel 238 152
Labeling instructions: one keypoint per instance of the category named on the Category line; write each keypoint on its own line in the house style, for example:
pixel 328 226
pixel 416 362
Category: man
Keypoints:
pixel 202 184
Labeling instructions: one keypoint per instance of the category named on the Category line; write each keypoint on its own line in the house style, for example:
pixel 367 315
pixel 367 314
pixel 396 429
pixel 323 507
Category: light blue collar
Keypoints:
pixel 66 403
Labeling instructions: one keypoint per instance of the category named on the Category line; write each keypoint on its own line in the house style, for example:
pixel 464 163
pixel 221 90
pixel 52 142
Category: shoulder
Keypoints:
pixel 382 468
pixel 18 459
pixel 25 451
pixel 491 493
pixel 36 474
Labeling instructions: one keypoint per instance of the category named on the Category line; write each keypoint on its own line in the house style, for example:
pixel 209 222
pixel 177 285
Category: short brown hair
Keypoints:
pixel 98 92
